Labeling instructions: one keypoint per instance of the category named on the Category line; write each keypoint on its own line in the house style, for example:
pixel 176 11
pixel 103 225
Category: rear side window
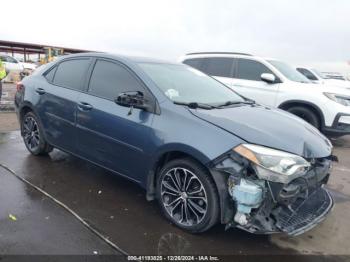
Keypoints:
pixel 109 79
pixel 195 62
pixel 307 73
pixel 219 66
pixel 71 73
pixel 49 75
pixel 251 70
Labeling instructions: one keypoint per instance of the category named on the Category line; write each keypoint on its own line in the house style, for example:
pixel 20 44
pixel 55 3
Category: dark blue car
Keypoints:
pixel 207 154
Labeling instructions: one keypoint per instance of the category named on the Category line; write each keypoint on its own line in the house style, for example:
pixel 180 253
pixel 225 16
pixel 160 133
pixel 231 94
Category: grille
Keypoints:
pixel 304 214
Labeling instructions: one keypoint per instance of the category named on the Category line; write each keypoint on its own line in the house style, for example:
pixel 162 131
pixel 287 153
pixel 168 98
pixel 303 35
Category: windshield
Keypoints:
pixel 289 72
pixel 184 84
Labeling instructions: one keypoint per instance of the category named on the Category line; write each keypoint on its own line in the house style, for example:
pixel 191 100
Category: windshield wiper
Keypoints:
pixel 194 105
pixel 230 103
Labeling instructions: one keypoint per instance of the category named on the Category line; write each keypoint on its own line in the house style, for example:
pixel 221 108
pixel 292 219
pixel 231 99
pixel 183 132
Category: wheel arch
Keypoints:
pixel 167 155
pixel 317 110
pixel 24 109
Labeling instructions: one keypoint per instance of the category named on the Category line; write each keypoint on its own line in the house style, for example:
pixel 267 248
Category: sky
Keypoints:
pixel 300 32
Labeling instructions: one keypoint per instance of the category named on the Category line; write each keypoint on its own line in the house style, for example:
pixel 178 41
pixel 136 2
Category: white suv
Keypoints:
pixel 319 78
pixel 277 84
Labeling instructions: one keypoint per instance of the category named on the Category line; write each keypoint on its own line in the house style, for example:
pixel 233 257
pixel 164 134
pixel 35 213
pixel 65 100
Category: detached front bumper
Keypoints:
pixel 303 215
pixel 340 126
pixel 264 207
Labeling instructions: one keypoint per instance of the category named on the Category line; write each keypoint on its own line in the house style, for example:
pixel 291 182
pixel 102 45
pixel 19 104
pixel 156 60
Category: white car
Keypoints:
pixel 319 78
pixel 11 64
pixel 29 66
pixel 14 65
pixel 274 83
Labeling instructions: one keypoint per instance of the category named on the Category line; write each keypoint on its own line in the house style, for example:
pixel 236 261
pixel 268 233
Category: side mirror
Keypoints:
pixel 268 78
pixel 134 99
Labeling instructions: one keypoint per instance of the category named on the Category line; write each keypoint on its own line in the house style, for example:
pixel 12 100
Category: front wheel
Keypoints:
pixel 188 195
pixel 306 114
pixel 33 135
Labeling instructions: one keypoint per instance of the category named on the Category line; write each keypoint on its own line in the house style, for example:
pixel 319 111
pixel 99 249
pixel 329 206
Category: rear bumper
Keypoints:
pixel 340 126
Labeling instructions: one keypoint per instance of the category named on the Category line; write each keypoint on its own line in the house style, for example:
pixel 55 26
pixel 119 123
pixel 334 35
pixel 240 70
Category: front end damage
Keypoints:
pixel 263 205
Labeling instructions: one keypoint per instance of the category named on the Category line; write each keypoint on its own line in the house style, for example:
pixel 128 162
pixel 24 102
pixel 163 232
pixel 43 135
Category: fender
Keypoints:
pixel 32 108
pixel 177 148
pixel 318 110
pixel 20 110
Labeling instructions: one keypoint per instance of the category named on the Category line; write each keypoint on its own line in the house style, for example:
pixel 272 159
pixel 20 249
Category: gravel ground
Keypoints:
pixel 8 122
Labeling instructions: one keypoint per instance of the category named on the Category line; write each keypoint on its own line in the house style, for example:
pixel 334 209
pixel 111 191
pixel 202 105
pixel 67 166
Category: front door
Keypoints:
pixel 109 134
pixel 248 83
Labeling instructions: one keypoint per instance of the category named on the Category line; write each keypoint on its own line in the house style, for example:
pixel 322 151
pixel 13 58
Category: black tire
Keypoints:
pixel 33 135
pixel 207 197
pixel 306 114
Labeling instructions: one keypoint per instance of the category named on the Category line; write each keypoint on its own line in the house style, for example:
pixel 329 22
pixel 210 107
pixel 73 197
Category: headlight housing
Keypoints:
pixel 341 99
pixel 273 165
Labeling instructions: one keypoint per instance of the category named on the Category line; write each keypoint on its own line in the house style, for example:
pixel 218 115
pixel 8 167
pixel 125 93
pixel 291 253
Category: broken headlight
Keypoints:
pixel 273 165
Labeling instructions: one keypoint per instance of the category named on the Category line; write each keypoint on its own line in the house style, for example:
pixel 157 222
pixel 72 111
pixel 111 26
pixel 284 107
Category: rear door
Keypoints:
pixel 247 82
pixel 221 68
pixel 57 101
pixel 109 134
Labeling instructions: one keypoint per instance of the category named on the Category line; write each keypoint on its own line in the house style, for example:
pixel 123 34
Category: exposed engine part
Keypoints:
pixel 264 207
pixel 247 194
pixel 241 218
pixel 231 165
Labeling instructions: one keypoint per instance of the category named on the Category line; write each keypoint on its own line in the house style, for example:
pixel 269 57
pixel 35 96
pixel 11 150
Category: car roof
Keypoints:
pixel 224 54
pixel 221 53
pixel 132 59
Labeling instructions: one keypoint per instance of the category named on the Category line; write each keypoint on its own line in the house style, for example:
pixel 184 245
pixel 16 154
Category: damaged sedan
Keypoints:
pixel 207 154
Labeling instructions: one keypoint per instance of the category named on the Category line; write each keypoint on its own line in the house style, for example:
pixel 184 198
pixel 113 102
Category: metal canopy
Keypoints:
pixel 27 48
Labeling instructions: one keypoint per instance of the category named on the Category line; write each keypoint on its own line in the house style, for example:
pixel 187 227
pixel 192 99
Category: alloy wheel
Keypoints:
pixel 184 196
pixel 31 133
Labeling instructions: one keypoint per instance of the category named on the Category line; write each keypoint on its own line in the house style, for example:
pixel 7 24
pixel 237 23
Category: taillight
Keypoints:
pixel 19 86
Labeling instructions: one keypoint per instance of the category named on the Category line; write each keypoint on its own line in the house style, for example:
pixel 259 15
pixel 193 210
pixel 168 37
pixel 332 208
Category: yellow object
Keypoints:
pixel 2 70
pixel 12 217
pixel 50 54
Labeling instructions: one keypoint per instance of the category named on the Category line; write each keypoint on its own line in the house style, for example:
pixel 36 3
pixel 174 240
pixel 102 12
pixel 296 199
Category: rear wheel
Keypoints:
pixel 33 135
pixel 187 195
pixel 306 114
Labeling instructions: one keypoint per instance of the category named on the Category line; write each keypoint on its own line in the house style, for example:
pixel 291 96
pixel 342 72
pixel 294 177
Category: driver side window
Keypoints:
pixel 251 70
pixel 109 79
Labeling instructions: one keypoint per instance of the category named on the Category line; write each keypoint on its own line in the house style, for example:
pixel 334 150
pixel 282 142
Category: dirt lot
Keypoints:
pixel 8 122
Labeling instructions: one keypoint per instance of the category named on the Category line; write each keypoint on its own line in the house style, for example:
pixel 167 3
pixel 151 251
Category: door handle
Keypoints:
pixel 85 106
pixel 40 91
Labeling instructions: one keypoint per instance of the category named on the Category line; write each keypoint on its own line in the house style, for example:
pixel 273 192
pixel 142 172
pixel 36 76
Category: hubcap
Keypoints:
pixel 183 196
pixel 31 133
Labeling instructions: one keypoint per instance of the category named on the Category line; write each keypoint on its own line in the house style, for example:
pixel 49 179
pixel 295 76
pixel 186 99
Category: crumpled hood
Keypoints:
pixel 272 128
